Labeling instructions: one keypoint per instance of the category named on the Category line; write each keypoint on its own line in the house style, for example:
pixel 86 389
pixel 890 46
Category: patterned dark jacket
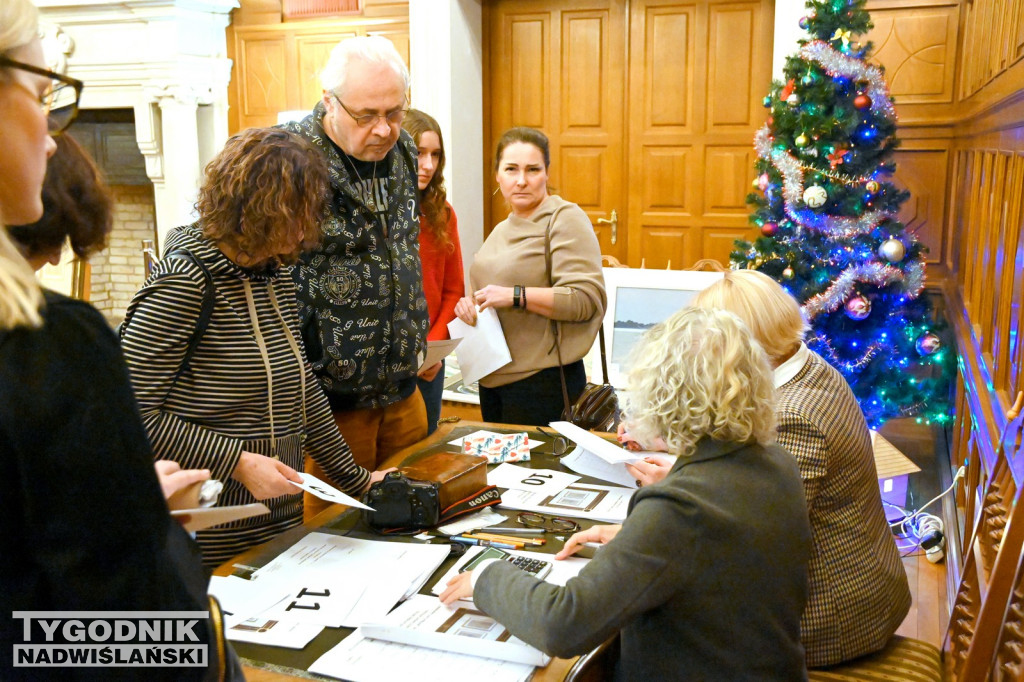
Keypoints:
pixel 361 305
pixel 858 588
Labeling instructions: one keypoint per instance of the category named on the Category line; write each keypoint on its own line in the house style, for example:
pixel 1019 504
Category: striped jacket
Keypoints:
pixel 233 395
pixel 858 588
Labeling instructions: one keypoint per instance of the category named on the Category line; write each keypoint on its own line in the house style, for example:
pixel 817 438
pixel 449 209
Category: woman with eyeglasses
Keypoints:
pixel 440 251
pixel 706 578
pixel 540 269
pixel 86 527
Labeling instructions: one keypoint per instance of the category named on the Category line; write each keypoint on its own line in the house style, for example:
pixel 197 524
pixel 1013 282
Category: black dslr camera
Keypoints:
pixel 401 502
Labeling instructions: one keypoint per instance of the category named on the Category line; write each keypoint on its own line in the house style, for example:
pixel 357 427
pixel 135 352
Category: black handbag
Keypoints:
pixel 597 408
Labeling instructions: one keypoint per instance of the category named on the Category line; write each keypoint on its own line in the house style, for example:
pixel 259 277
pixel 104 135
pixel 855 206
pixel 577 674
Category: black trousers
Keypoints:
pixel 535 400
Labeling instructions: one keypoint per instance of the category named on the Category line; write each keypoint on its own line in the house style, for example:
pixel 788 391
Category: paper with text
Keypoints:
pixel 577 500
pixel 546 481
pixel 460 628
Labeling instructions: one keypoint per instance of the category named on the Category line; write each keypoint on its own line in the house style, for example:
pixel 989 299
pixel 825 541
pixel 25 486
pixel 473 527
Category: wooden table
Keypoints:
pixel 272 664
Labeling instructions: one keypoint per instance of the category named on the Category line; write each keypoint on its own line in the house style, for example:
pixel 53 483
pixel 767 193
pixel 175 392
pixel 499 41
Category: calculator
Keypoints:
pixel 536 567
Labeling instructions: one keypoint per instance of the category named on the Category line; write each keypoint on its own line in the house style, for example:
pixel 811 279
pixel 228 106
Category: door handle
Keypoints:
pixel 614 222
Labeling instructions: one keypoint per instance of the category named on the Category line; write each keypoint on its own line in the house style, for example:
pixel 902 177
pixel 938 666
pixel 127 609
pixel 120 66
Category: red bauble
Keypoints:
pixel 862 101
pixel 769 229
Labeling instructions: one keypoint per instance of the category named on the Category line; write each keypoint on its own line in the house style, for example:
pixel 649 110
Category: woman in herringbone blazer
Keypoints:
pixel 858 588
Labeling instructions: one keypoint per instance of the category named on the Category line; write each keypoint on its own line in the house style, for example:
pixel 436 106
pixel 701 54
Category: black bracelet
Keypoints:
pixel 517 291
pixel 524 298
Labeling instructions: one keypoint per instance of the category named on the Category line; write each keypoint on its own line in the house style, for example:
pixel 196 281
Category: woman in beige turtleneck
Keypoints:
pixel 540 269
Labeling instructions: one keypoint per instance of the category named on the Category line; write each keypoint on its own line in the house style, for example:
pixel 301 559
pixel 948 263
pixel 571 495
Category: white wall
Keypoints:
pixel 445 51
pixel 787 32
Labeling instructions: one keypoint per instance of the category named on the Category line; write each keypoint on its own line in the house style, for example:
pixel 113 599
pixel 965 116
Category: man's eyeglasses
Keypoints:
pixel 60 103
pixel 556 524
pixel 393 118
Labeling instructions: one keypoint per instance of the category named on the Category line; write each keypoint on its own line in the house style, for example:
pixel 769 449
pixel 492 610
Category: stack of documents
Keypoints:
pixel 323 580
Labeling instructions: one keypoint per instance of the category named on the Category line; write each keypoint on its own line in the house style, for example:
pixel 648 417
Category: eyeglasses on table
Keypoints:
pixel 555 524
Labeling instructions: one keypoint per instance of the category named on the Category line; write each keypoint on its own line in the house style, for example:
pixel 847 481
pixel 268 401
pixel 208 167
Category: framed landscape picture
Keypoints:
pixel 638 299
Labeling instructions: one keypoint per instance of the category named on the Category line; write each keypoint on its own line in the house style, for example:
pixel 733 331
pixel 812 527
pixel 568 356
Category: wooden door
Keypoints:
pixel 697 76
pixel 650 106
pixel 558 65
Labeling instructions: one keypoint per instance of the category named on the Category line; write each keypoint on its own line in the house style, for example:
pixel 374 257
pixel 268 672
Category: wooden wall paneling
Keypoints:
pixel 917 44
pixel 965 220
pixel 276 64
pixel 1005 298
pixel 1018 34
pixel 922 168
pixel 990 232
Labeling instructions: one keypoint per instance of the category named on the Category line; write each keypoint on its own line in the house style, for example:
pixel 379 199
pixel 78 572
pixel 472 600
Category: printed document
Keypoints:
pixel 460 628
pixel 578 500
pixel 326 491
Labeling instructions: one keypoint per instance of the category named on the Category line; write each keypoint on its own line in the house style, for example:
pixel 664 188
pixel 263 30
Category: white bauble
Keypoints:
pixel 815 196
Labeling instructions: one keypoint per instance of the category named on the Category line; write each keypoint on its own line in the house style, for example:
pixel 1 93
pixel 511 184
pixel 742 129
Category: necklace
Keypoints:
pixel 369 191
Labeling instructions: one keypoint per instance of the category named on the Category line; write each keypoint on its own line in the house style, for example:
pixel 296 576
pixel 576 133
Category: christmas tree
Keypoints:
pixel 827 213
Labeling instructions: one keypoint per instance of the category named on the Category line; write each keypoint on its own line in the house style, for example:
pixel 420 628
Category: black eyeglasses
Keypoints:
pixel 393 118
pixel 559 444
pixel 555 524
pixel 60 103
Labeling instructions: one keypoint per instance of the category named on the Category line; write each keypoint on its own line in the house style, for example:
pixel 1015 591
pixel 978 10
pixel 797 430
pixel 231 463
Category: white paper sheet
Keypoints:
pixel 578 500
pixel 483 348
pixel 243 600
pixel 587 463
pixel 360 659
pixel 561 571
pixel 609 452
pixel 542 481
pixel 530 442
pixel 438 351
pixel 481 519
pixel 325 491
pixel 340 581
pixel 270 632
pixel 460 628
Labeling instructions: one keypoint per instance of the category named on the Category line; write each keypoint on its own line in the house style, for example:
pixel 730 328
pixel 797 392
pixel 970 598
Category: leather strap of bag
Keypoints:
pixel 557 326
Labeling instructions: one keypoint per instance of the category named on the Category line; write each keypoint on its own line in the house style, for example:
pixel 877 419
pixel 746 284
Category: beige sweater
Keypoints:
pixel 514 254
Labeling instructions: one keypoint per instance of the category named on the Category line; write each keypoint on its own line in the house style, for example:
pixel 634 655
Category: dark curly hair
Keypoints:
pixel 258 190
pixel 76 206
pixel 434 197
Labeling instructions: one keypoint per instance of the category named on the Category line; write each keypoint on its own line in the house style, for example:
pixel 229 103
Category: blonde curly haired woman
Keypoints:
pixel 858 590
pixel 707 576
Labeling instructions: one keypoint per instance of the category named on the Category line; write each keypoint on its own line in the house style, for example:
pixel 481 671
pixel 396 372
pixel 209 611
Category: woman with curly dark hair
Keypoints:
pixel 236 395
pixel 440 251
pixel 76 209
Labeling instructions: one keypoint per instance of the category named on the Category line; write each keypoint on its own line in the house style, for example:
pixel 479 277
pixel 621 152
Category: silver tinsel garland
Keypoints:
pixel 877 274
pixel 836 63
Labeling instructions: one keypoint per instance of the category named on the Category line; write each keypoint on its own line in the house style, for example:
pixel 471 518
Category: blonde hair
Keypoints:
pixel 699 374
pixel 20 295
pixel 771 314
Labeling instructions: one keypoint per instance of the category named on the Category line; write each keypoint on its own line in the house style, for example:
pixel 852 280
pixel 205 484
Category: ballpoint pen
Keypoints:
pixel 483 543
